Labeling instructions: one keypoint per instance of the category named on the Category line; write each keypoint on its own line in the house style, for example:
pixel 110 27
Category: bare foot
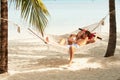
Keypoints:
pixel 70 62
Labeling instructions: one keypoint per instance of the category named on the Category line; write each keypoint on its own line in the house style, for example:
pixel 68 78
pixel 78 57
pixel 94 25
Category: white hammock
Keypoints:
pixel 55 42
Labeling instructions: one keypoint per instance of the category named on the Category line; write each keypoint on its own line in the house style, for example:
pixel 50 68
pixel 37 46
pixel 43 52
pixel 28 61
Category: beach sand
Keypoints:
pixel 31 59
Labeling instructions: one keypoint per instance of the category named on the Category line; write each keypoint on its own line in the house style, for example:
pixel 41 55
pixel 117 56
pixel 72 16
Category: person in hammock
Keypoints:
pixel 75 42
pixel 82 38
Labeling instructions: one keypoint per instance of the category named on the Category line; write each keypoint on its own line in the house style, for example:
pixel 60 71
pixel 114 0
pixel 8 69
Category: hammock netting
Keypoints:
pixel 55 39
pixel 54 45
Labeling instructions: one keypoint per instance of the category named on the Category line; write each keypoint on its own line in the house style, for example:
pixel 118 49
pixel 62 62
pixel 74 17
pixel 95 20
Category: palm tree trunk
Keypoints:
pixel 112 32
pixel 4 37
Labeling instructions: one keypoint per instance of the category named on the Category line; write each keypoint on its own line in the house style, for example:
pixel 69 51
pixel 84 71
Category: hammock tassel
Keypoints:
pixel 18 29
pixel 102 23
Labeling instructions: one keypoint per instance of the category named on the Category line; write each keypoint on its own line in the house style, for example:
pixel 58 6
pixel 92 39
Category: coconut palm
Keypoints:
pixel 112 32
pixel 32 10
pixel 3 37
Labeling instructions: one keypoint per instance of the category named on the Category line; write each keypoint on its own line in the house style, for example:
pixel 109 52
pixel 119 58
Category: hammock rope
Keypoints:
pixel 37 35
pixel 18 26
pixel 53 41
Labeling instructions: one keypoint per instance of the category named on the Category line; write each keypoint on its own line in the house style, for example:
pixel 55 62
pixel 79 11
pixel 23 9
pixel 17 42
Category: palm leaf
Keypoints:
pixel 35 12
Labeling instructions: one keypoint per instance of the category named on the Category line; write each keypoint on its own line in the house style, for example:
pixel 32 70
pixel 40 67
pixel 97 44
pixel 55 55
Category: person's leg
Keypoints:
pixel 71 52
pixel 62 42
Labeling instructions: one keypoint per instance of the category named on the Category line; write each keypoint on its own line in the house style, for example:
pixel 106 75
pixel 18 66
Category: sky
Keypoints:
pixel 68 15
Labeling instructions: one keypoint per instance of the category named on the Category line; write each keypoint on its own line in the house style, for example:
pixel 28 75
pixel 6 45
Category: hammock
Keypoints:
pixel 55 39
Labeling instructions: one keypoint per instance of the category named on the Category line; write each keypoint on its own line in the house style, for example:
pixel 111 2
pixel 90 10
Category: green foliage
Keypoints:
pixel 33 11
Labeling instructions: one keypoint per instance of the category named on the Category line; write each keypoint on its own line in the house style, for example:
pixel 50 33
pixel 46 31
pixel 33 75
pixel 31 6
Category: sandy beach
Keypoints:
pixel 31 59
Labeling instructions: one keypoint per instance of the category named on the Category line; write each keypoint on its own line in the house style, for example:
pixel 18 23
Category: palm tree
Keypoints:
pixel 112 33
pixel 32 10
pixel 4 37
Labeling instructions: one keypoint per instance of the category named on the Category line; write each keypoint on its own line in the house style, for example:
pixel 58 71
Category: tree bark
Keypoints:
pixel 4 37
pixel 112 31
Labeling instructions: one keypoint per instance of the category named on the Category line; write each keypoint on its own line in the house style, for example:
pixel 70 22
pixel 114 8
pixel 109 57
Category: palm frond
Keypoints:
pixel 35 12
